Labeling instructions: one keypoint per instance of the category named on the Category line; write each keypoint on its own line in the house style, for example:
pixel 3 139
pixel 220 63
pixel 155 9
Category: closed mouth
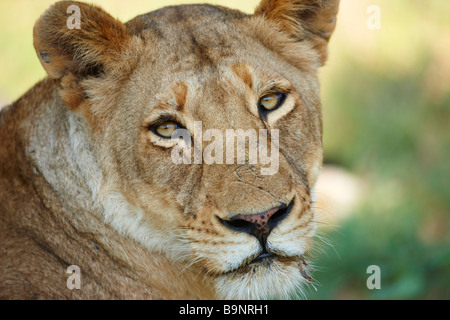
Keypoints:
pixel 265 256
pixel 265 259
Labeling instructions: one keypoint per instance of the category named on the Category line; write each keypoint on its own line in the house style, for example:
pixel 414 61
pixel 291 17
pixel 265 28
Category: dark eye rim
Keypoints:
pixel 281 99
pixel 165 118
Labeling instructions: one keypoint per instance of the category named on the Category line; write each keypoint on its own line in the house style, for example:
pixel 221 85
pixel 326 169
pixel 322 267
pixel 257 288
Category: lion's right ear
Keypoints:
pixel 82 49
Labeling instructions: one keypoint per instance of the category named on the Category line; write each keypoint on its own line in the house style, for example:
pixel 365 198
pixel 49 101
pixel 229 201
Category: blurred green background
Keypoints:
pixel 386 107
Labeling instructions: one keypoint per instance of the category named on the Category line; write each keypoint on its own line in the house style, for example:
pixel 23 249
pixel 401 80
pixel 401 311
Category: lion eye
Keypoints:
pixel 165 129
pixel 271 101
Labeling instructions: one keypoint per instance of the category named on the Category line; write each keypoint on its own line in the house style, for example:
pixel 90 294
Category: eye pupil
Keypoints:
pixel 166 129
pixel 271 101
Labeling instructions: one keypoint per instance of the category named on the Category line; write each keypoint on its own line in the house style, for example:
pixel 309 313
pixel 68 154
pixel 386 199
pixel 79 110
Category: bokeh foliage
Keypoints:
pixel 386 118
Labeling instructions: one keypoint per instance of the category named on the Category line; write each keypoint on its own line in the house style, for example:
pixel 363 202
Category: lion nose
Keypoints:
pixel 258 224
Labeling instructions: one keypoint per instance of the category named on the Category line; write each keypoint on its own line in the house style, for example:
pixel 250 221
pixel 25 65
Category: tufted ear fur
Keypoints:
pixel 311 20
pixel 83 51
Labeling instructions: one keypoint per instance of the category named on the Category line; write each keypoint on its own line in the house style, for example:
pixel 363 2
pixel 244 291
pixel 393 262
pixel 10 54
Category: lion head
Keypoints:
pixel 208 71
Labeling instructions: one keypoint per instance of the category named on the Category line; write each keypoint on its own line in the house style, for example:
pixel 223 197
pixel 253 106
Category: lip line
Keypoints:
pixel 263 256
pixel 300 258
pixel 251 261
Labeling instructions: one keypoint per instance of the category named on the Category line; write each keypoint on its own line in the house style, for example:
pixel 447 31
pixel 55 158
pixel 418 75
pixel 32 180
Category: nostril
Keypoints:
pixel 237 225
pixel 282 213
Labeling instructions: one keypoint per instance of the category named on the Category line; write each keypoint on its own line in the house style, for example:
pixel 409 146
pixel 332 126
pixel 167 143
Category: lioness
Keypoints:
pixel 87 177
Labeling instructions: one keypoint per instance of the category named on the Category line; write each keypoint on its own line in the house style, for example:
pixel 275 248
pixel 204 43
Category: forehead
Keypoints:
pixel 167 23
pixel 189 37
pixel 199 42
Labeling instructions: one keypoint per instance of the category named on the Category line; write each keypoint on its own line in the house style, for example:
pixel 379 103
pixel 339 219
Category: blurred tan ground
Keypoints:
pixel 338 193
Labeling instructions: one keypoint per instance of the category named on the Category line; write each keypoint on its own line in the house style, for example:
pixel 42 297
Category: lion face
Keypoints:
pixel 209 72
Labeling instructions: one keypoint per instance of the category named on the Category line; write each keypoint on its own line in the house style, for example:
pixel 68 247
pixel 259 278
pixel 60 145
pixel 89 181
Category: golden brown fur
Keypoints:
pixel 84 182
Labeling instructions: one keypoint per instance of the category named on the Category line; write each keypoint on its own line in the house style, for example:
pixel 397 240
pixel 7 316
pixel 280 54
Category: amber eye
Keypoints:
pixel 271 101
pixel 165 129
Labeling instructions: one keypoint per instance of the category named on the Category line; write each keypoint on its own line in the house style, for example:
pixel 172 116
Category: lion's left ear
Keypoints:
pixel 312 20
pixel 82 50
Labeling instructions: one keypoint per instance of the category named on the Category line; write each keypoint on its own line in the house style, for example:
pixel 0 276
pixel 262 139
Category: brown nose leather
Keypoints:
pixel 259 221
pixel 259 224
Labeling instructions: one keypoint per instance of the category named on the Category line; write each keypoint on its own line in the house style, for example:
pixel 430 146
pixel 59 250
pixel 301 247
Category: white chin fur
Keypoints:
pixel 276 281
